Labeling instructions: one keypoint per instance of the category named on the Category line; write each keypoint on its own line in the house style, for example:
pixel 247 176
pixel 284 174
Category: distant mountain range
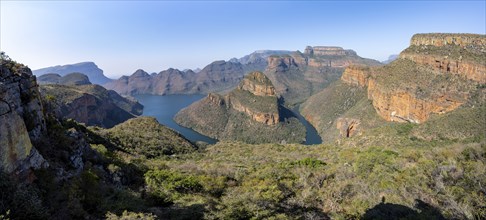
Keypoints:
pixel 218 76
pixel 90 69
pixel 311 69
pixel 71 79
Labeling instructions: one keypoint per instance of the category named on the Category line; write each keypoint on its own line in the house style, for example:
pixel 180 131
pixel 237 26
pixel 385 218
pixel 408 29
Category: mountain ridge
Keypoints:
pixel 89 68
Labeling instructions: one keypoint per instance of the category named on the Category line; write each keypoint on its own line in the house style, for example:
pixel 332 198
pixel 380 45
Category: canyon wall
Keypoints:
pixel 467 69
pixel 417 95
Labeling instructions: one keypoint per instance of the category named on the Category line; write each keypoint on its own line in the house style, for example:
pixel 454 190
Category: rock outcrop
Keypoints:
pixel 356 75
pixel 281 63
pixel 249 113
pixel 348 127
pixel 21 118
pixel 257 84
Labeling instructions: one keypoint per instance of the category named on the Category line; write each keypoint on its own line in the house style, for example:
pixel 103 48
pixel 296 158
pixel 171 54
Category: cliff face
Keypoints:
pixel 90 104
pixel 423 81
pixel 281 63
pixel 255 96
pixel 404 106
pixel 241 114
pixel 414 100
pixel 468 69
pixel 257 84
pixel 300 75
pixel 356 75
pixel 437 74
pixel 21 119
pixel 461 54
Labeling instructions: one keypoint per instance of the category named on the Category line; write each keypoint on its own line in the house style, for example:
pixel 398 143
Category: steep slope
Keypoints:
pixel 90 69
pixel 300 75
pixel 21 118
pixel 437 74
pixel 90 104
pixel 71 79
pixel 250 113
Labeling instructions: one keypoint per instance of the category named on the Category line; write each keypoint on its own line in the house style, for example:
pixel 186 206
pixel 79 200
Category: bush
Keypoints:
pixel 130 216
pixel 165 185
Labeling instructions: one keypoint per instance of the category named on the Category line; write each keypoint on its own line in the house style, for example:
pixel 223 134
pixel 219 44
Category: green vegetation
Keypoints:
pixel 130 216
pixel 337 181
pixel 230 118
pixel 255 103
pixel 89 104
pixel 12 65
pixel 388 170
pixel 450 51
pixel 339 100
pixel 144 136
pixel 405 75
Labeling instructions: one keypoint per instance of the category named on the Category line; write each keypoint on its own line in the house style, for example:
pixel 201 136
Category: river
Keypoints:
pixel 164 108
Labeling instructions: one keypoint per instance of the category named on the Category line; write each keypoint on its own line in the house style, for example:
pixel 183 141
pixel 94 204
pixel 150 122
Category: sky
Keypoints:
pixel 123 36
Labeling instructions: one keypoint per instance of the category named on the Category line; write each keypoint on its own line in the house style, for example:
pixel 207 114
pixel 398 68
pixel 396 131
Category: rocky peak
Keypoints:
pixel 140 73
pixel 258 84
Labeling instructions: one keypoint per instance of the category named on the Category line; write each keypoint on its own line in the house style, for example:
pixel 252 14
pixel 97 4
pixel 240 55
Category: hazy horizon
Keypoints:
pixel 122 36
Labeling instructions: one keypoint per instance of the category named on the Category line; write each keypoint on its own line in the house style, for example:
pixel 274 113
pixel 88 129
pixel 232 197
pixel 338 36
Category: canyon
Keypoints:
pixel 420 83
pixel 249 113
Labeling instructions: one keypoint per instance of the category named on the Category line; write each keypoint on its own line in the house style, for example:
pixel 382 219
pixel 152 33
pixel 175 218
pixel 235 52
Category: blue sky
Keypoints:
pixel 122 36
